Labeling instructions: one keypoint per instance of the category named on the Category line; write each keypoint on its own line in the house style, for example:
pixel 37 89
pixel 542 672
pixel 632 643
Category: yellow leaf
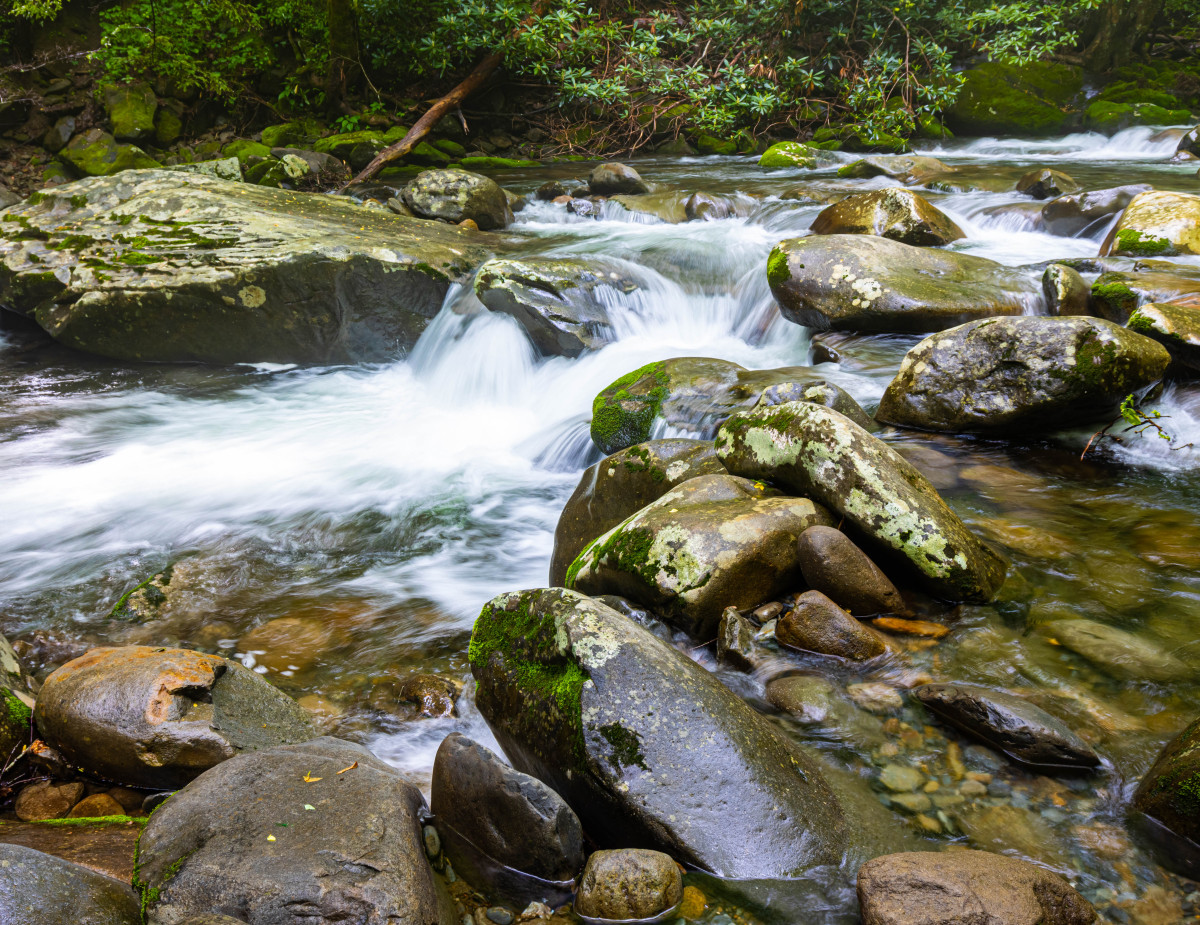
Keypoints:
pixel 270 838
pixel 309 779
pixel 351 768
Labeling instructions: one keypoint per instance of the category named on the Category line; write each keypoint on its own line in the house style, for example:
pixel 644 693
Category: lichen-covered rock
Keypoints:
pixel 905 168
pixel 96 153
pixel 816 624
pixel 1026 373
pixel 866 283
pixel 322 832
pixel 41 889
pixel 1035 98
pixel 619 486
pixel 164 266
pixel 790 154
pixel 131 111
pixel 225 168
pixel 454 195
pixel 1074 214
pixel 612 179
pixel 712 542
pixel 1175 325
pixel 696 394
pixel 1156 224
pixel 152 717
pixel 628 883
pixel 558 300
pixel 817 453
pixel 1065 290
pixel 1169 793
pixel 898 214
pixel 1047 183
pixel 647 747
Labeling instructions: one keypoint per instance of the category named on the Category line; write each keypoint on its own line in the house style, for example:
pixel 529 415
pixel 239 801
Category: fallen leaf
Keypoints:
pixel 270 838
pixel 309 779
pixel 310 806
pixel 344 770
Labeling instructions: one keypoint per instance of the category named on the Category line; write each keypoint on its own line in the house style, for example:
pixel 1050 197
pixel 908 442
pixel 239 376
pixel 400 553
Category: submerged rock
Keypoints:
pixel 324 827
pixel 613 179
pixel 153 717
pixel 1072 214
pixel 897 214
pixel 736 645
pixel 817 624
pixel 40 889
pixel 1175 325
pixel 164 266
pixel 1023 373
pixel 629 883
pixel 1006 722
pixel 712 542
pixel 454 195
pixel 1156 224
pixel 817 453
pixel 619 486
pixel 1121 654
pixel 833 565
pixel 1169 793
pixel 866 283
pixel 636 737
pixel 1046 183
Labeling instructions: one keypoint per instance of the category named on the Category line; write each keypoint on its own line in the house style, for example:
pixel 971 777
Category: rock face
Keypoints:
pixel 157 718
pixel 357 855
pixel 165 266
pixel 817 453
pixel 1006 722
pixel 512 817
pixel 817 624
pixel 629 883
pixel 1016 99
pixel 619 486
pixel 633 733
pixel 865 283
pixel 833 565
pixel 1170 791
pixel 957 887
pixel 1020 373
pixel 40 889
pixel 453 195
pixel 614 179
pixel 1047 184
pixel 1156 224
pixel 1175 325
pixel 1072 214
pixel 712 542
pixel 898 214
pixel 789 154
pixel 555 299
pixel 697 394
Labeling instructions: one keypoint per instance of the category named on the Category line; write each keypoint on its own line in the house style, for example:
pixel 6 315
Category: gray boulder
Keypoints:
pixel 629 883
pixel 613 179
pixel 635 736
pixel 898 214
pixel 1046 183
pixel 867 283
pixel 1025 373
pixel 1073 214
pixel 817 453
pixel 154 717
pixel 323 829
pixel 40 889
pixel 454 195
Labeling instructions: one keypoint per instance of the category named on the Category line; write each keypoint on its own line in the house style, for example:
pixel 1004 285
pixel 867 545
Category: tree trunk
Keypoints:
pixel 1123 27
pixel 342 73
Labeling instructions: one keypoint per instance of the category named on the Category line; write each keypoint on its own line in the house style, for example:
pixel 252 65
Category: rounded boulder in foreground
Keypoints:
pixel 629 883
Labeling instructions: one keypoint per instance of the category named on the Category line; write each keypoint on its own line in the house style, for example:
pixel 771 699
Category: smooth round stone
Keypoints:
pixel 817 624
pixel 835 566
pixel 628 883
pixel 900 778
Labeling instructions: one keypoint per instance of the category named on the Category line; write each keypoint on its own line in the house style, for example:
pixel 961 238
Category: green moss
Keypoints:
pixel 626 746
pixel 138 259
pixel 615 426
pixel 94 821
pixel 777 268
pixel 1138 244
pixel 78 201
pixel 495 163
pixel 1115 295
pixel 1093 361
pixel 1140 323
pixel 16 713
pixel 37 198
pixel 787 154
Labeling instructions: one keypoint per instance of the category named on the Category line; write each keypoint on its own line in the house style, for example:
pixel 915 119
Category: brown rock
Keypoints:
pixel 898 213
pixel 912 627
pixel 833 565
pixel 628 883
pixel 433 696
pixel 966 888
pixel 98 804
pixel 817 624
pixel 47 800
pixel 130 800
pixel 287 645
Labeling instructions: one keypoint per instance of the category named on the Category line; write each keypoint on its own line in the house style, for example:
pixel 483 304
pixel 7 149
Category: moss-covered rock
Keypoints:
pixel 712 542
pixel 1115 295
pixel 1020 374
pixel 16 721
pixel 1175 325
pixel 791 154
pixel 244 149
pixel 454 196
pixel 898 214
pixel 1036 98
pixel 710 144
pixel 815 452
pixel 1156 224
pixel 427 155
pixel 1169 793
pixel 167 266
pixel 668 206
pixel 634 735
pixel 291 134
pixel 1110 117
pixel 344 145
pixel 496 163
pixel 904 169
pixel 96 153
pixel 168 126
pixel 131 111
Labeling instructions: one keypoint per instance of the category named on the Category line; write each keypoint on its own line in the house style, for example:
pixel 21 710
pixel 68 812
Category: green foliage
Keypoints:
pixel 1026 30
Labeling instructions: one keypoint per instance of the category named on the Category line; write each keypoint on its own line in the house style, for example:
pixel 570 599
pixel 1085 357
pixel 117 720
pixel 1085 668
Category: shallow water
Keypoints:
pixel 384 505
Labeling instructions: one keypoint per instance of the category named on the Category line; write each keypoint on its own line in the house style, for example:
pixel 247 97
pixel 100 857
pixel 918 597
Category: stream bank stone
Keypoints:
pixel 817 453
pixel 712 542
pixel 157 718
pixel 897 214
pixel 629 883
pixel 633 733
pixel 1008 374
pixel 1169 793
pixel 1156 223
pixel 40 889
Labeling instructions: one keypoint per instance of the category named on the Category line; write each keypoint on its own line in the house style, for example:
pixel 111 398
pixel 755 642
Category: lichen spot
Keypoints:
pixel 253 296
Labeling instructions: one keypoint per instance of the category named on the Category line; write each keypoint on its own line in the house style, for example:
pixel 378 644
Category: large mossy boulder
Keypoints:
pixel 695 394
pixel 130 110
pixel 1109 117
pixel 648 747
pixel 41 889
pixel 1175 325
pixel 96 153
pixel 898 214
pixel 791 154
pixel 619 486
pixel 712 542
pixel 322 832
pixel 1156 224
pixel 454 196
pixel 814 452
pixel 1036 98
pixel 559 301
pixel 1020 374
pixel 154 717
pixel 864 283
pixel 165 266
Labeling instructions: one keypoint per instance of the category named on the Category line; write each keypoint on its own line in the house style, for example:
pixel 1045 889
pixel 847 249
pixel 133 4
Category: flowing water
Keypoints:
pixel 381 506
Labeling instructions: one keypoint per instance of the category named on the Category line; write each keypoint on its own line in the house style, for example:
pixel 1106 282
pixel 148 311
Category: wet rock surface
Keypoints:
pixel 40 889
pixel 454 196
pixel 817 624
pixel 1046 183
pixel 1156 223
pixel 613 179
pixel 1175 325
pixel 629 883
pixel 1169 793
pixel 1117 652
pixel 832 564
pixel 1116 294
pixel 898 214
pixel 1073 213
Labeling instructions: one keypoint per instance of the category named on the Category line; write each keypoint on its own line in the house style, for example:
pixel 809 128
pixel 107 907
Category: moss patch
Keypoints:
pixel 1139 244
pixel 626 745
pixel 777 268
pixel 622 417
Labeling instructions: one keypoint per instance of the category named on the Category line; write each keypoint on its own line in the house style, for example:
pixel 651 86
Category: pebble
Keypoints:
pixel 999 789
pixel 900 778
pixel 912 802
pixel 972 788
pixel 983 757
pixel 499 915
pixel 929 824
pixel 535 910
pixel 875 696
pixel 693 904
pixel 954 761
pixel 433 842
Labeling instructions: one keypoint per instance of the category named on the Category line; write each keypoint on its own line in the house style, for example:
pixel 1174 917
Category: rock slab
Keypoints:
pixel 40 889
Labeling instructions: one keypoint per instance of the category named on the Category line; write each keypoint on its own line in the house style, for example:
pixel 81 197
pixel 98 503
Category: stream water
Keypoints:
pixel 381 506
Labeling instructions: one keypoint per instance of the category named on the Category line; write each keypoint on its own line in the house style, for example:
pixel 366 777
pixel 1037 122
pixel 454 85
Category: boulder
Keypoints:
pixel 559 301
pixel 152 717
pixel 96 153
pixel 165 266
pixel 619 486
pixel 1122 655
pixel 634 735
pixel 1034 98
pixel 299 165
pixel 1117 294
pixel 1076 213
pixel 1024 732
pixel 1027 373
pixel 712 542
pixel 965 886
pixel 866 283
pixel 1110 117
pixel 454 195
pixel 40 889
pixel 355 148
pixel 817 453
pixel 59 134
pixel 1156 224
pixel 1175 325
pixel 790 154
pixel 549 191
pixel 1189 143
pixel 225 168
pixel 1065 291
pixel 628 883
pixel 1046 183
pixel 511 817
pixel 323 829
pixel 832 564
pixel 131 111
pixel 613 179
pixel 45 799
pixel 898 214
pixel 705 207
pixel 1169 793
pixel 905 168
pixel 816 624
pixel 696 394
